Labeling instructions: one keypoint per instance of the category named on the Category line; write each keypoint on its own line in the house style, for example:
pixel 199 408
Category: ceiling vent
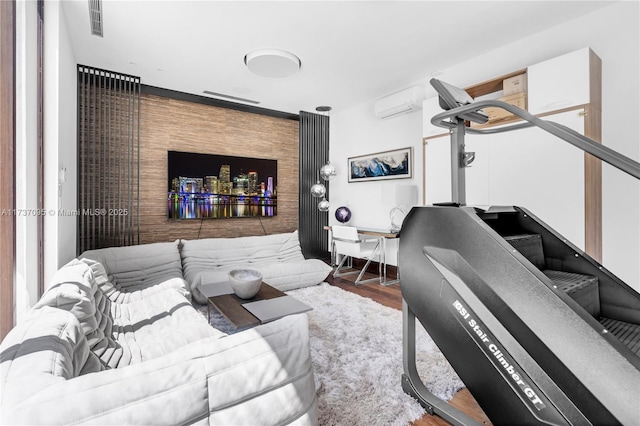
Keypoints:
pixel 399 103
pixel 233 98
pixel 95 17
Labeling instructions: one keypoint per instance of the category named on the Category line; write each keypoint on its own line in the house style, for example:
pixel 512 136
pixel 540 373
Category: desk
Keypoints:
pixel 383 235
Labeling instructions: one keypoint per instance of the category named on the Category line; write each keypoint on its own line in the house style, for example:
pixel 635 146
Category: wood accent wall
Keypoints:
pixel 168 124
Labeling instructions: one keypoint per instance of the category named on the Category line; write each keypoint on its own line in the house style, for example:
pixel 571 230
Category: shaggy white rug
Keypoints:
pixel 356 351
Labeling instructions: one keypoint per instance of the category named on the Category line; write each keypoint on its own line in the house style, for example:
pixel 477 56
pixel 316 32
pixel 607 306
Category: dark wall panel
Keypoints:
pixel 314 153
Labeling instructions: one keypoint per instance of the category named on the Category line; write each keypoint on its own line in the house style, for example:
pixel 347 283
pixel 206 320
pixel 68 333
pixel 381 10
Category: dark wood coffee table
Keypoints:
pixel 230 306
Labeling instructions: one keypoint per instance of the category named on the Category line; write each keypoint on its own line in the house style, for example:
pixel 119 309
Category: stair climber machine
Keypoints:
pixel 538 331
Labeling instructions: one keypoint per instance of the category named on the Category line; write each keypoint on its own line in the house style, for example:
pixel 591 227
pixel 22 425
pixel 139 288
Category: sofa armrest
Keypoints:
pixel 259 376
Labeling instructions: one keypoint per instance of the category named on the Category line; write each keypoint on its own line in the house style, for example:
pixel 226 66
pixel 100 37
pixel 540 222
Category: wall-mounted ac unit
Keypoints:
pixel 400 103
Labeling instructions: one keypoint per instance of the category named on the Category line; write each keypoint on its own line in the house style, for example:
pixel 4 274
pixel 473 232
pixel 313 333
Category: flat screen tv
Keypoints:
pixel 206 186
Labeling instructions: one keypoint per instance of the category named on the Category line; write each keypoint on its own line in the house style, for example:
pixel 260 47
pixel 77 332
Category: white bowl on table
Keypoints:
pixel 245 282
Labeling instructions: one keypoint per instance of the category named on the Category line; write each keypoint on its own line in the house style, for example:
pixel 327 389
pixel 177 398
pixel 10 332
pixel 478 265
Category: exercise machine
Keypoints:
pixel 539 332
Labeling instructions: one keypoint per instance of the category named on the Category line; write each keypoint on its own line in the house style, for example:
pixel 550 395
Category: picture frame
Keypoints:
pixel 394 164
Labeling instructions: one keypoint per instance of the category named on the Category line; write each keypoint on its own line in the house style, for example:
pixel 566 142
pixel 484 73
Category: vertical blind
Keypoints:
pixel 108 159
pixel 314 153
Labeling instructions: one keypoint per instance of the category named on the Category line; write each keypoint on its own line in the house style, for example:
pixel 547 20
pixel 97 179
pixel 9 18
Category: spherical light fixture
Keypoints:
pixel 272 63
pixel 328 171
pixel 318 190
pixel 323 205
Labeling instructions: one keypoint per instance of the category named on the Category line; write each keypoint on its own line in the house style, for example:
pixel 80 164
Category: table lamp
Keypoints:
pixel 406 196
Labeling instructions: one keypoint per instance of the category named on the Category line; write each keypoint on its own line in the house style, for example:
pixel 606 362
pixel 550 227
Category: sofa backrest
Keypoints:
pixel 223 253
pixel 142 265
pixel 47 346
pixel 75 289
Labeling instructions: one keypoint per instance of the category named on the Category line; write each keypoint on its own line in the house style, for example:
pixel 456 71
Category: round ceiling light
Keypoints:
pixel 272 63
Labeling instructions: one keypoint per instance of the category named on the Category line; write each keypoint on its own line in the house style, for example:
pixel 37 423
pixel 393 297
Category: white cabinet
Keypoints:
pixel 529 168
pixel 559 83
pixel 537 170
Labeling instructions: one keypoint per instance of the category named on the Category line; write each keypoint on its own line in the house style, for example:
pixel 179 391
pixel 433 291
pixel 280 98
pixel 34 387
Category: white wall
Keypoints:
pixel 59 141
pixel 67 146
pixel 614 34
pixel 355 132
pixel 26 155
pixel 59 148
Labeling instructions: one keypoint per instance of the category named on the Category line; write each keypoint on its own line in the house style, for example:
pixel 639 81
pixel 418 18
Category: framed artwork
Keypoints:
pixel 396 164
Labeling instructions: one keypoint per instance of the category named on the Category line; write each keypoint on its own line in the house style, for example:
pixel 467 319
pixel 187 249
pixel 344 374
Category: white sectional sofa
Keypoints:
pixel 115 340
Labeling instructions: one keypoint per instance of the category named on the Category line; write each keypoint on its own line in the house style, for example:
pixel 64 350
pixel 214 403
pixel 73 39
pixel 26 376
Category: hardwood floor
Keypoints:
pixel 391 296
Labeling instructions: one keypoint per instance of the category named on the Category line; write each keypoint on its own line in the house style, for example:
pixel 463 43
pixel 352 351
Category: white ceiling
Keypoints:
pixel 351 51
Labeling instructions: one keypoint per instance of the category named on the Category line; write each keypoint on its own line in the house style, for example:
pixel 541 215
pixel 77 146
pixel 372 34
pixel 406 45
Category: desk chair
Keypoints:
pixel 347 243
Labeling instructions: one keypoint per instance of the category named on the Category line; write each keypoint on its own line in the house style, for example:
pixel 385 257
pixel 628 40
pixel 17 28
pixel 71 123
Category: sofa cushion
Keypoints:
pixel 46 347
pixel 258 376
pixel 223 252
pixel 152 327
pixel 289 276
pixel 108 285
pixel 149 268
pixel 209 260
pixel 283 276
pixel 73 289
pixel 128 333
